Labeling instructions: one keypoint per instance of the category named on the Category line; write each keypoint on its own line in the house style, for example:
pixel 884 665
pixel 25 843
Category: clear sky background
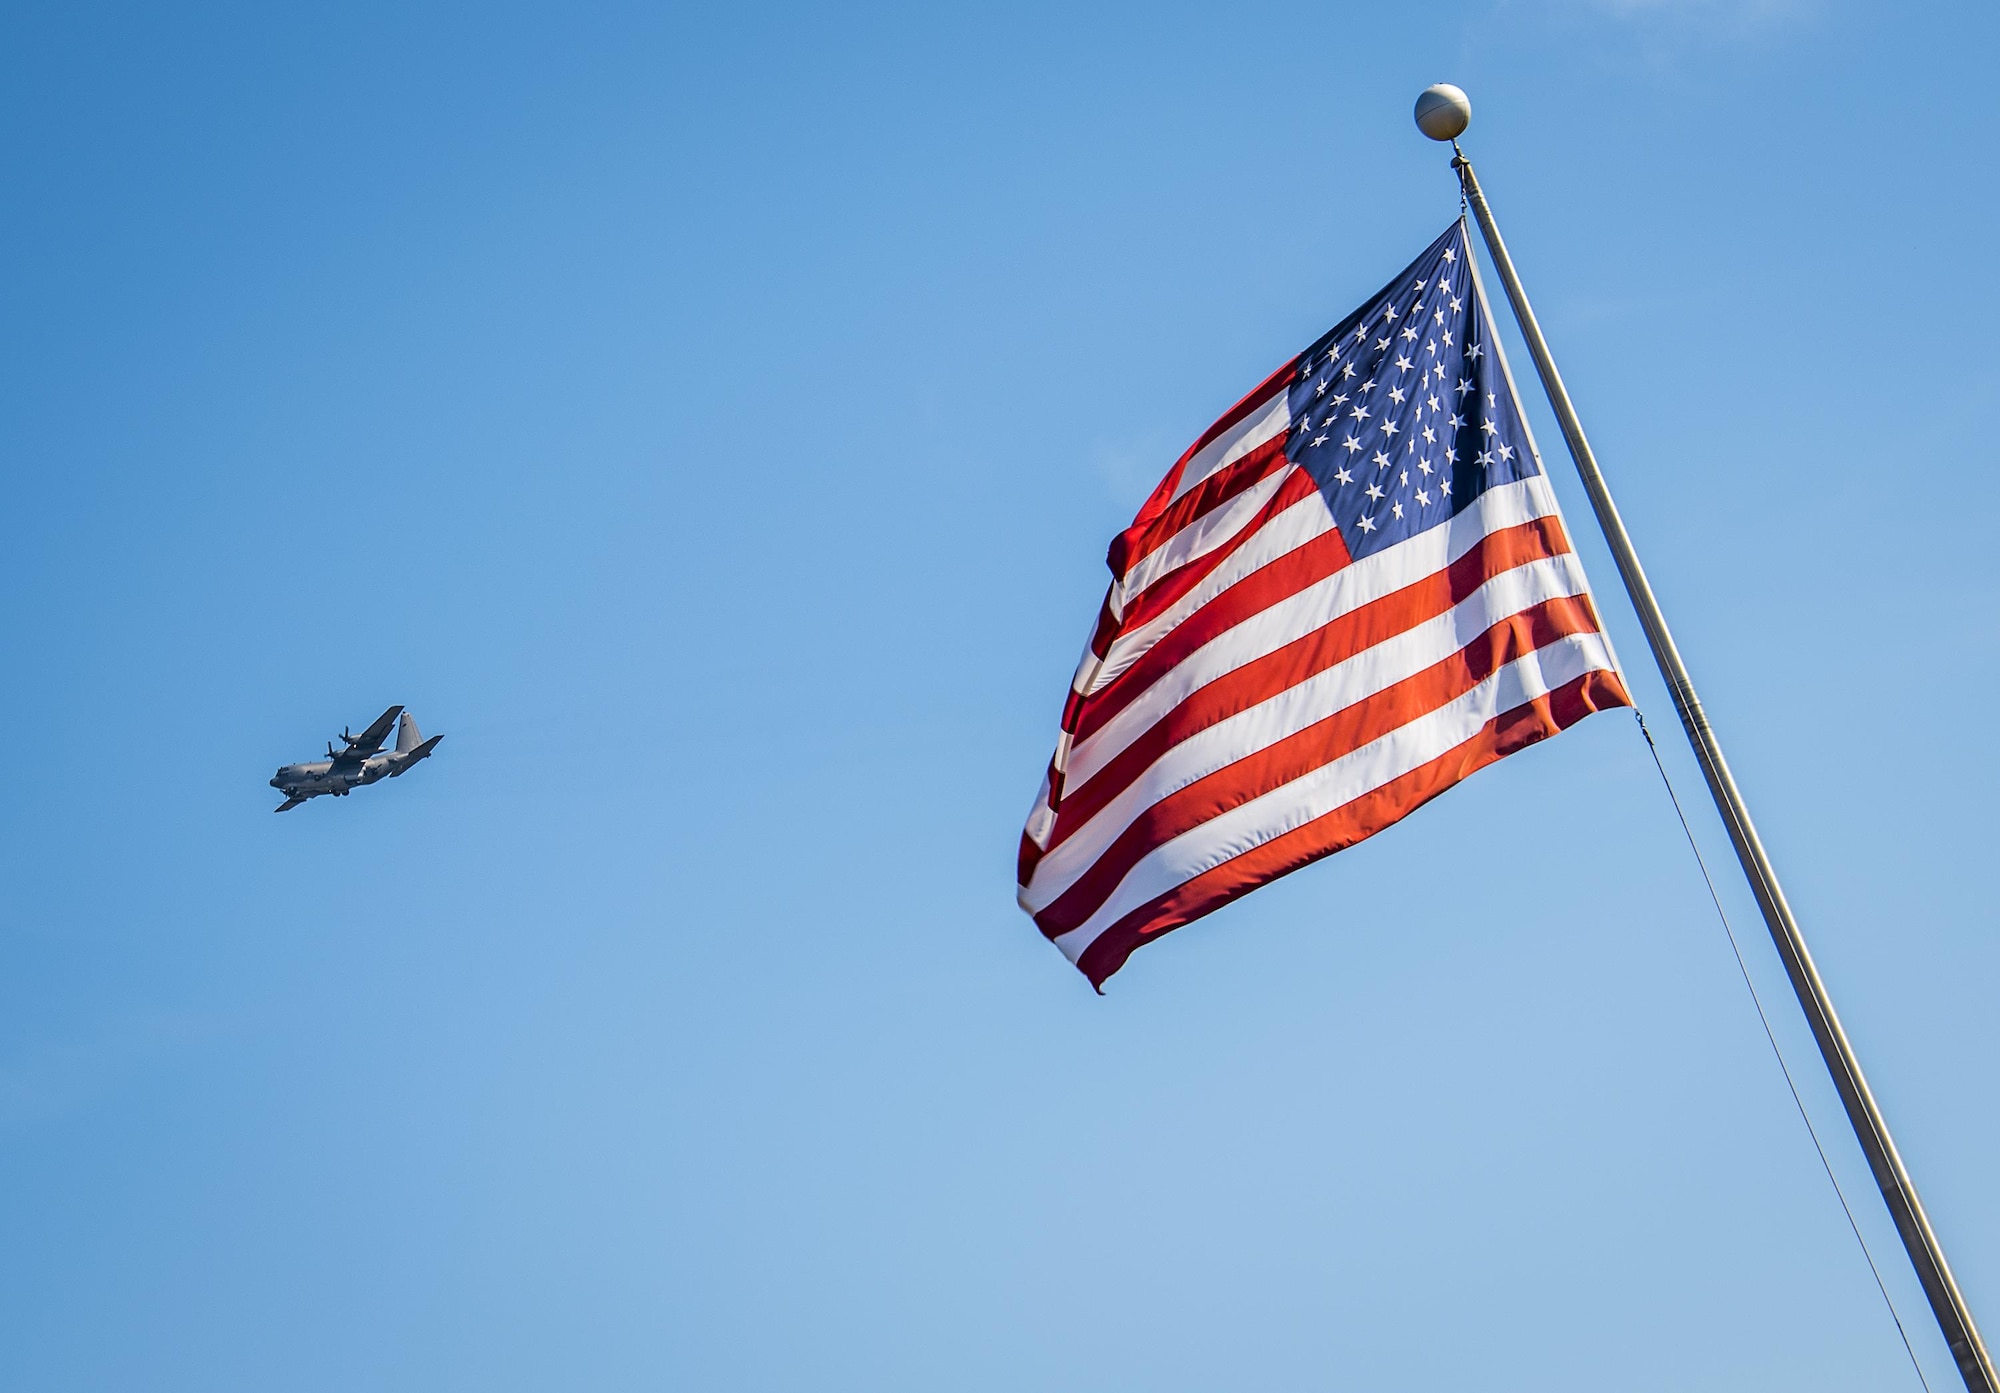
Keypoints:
pixel 712 421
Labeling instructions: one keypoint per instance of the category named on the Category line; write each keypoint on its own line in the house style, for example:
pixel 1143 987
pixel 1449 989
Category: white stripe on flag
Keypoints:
pixel 1336 784
pixel 1271 419
pixel 1290 711
pixel 1201 536
pixel 1361 583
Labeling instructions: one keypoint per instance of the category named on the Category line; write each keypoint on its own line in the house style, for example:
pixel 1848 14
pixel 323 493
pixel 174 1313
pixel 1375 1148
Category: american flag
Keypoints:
pixel 1351 592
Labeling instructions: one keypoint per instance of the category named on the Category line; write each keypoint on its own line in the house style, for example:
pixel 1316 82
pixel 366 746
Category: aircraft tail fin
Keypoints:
pixel 420 752
pixel 408 737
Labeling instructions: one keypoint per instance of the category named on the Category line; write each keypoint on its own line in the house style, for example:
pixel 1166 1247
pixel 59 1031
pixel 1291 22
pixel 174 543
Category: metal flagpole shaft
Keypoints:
pixel 1446 112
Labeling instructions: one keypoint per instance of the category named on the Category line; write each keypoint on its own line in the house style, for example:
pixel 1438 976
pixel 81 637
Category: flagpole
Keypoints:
pixel 1443 113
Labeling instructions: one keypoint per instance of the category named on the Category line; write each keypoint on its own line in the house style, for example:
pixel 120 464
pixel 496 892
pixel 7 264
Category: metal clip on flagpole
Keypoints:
pixel 1442 113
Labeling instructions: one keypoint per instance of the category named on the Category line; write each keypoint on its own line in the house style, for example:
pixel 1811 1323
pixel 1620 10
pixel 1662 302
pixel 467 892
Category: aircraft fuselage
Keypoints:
pixel 343 774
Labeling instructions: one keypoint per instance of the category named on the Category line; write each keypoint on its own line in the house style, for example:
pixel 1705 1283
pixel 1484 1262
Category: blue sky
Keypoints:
pixel 712 422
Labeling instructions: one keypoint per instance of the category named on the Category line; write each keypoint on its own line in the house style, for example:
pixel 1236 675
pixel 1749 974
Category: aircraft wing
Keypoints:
pixel 369 741
pixel 288 804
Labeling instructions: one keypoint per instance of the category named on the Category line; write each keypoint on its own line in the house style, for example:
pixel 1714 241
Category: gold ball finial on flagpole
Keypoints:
pixel 1443 111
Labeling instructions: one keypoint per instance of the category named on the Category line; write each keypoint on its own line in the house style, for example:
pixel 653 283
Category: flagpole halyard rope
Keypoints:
pixel 1742 967
pixel 1871 1130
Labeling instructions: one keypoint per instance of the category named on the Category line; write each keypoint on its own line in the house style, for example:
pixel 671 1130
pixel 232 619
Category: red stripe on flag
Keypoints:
pixel 1298 754
pixel 1535 540
pixel 1344 638
pixel 1169 588
pixel 1204 498
pixel 1266 586
pixel 1028 858
pixel 1343 827
pixel 1122 555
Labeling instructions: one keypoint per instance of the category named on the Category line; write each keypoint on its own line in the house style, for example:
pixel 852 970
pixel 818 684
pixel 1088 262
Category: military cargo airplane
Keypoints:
pixel 340 774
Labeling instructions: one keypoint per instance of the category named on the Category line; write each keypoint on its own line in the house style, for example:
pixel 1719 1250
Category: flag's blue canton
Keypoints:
pixel 1402 413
